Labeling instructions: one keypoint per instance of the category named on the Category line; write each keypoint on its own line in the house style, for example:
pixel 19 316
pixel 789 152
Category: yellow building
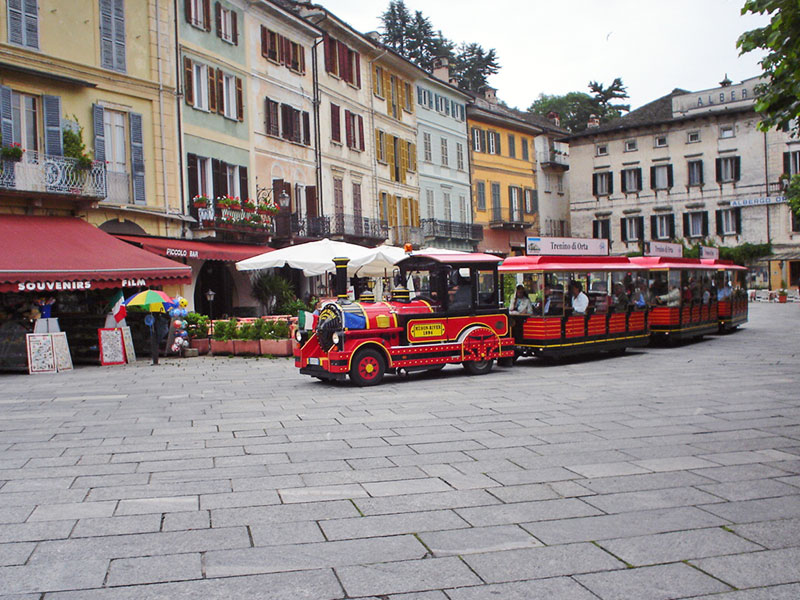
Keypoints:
pixel 503 164
pixel 107 69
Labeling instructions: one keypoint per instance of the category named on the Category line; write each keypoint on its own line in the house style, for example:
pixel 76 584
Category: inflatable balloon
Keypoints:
pixel 183 302
pixel 177 324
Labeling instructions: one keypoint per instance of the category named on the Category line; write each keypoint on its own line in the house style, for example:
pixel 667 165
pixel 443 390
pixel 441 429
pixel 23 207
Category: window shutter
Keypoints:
pixel 187 10
pixel 296 120
pixel 280 50
pixel 390 157
pixel 641 228
pixel 737 168
pixel 622 185
pixel 244 191
pixel 191 176
pixel 307 128
pixel 737 215
pixel 188 81
pixel 51 114
pixel 719 170
pixel 137 158
pixel 341 50
pixel 412 157
pixel 705 223
pixel 653 227
pixel 327 46
pixel 358 69
pixel 498 147
pixel 610 183
pixel 219 180
pixel 6 119
pixel 235 27
pixel 119 35
pixel 239 100
pixel 594 184
pixel 700 164
pixel 596 229
pixel 221 99
pixel 99 132
pixel 107 34
pixel 787 163
pixel 687 233
pixel 361 133
pixel 401 93
pixel 212 90
pixel 623 230
pixel 301 51
pixel 652 178
pixel 348 132
pixel 482 138
pixel 387 90
pixel 311 201
pixel 403 160
pixel 267 116
pixel 671 220
pixel 419 95
pixel 287 54
pixel 336 127
pixel 15 20
pixel 669 176
pixel 720 231
pixel 264 50
pixel 375 80
pixel 639 180
pixel 207 15
pixel 378 149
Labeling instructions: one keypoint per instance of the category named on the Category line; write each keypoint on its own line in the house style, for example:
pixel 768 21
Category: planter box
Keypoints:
pixel 202 345
pixel 220 347
pixel 242 347
pixel 783 299
pixel 276 347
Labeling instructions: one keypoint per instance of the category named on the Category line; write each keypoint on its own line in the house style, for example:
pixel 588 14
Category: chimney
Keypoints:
pixel 554 117
pixel 374 36
pixel 726 82
pixel 441 69
pixel 489 94
pixel 594 121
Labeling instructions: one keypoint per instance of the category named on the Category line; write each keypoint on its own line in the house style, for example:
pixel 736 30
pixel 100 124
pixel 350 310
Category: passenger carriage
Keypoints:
pixel 683 297
pixel 731 287
pixel 445 309
pixel 616 317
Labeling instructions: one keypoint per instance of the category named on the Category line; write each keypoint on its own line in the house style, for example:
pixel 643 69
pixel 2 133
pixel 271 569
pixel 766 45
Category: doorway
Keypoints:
pixel 214 275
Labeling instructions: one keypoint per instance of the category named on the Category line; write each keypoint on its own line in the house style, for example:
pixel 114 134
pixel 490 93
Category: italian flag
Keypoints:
pixel 307 321
pixel 117 307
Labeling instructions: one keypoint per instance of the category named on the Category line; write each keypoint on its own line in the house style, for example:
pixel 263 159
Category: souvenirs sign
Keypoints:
pixel 112 347
pixel 41 358
pixel 556 246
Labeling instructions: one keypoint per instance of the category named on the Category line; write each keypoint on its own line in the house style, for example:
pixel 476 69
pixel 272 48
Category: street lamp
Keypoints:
pixel 283 199
pixel 210 297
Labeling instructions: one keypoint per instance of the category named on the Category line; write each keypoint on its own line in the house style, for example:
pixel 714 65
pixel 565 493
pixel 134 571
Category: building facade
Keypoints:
pixel 503 162
pixel 443 163
pixel 691 167
pixel 552 162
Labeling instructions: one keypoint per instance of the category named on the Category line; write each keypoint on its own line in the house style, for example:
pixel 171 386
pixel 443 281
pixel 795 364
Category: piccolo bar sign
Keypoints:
pixel 552 246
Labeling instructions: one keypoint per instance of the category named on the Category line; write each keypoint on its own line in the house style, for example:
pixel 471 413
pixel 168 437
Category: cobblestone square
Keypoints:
pixel 665 473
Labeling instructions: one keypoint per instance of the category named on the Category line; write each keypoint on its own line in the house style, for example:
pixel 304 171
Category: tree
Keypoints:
pixel 574 109
pixel 779 98
pixel 603 96
pixel 396 20
pixel 472 66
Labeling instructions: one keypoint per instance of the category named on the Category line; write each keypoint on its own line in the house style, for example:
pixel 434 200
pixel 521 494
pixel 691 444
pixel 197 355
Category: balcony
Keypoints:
pixel 507 219
pixel 56 175
pixel 436 228
pixel 354 226
pixel 299 226
pixel 238 223
pixel 554 160
pixel 118 187
pixel 404 234
pixel 776 189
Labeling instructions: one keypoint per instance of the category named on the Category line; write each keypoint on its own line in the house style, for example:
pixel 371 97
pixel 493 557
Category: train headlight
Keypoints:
pixel 335 338
pixel 298 335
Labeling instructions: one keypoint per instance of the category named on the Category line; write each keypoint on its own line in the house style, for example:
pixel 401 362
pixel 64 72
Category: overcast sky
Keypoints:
pixel 558 46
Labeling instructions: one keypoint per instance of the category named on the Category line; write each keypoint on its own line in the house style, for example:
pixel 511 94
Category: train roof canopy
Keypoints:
pixel 664 262
pixel 723 265
pixel 517 264
pixel 454 260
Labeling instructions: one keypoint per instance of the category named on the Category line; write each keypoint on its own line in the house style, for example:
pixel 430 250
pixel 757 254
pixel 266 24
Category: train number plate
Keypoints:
pixel 313 361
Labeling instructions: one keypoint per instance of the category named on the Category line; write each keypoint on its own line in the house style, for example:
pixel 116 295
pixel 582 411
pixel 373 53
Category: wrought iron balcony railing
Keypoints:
pixel 552 157
pixel 436 228
pixel 404 234
pixel 509 218
pixel 358 226
pixel 228 219
pixel 48 174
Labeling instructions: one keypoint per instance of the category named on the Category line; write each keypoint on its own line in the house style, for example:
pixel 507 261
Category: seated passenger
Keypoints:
pixel 620 298
pixel 544 305
pixel 672 298
pixel 640 296
pixel 580 301
pixel 461 294
pixel 521 304
pixel 724 292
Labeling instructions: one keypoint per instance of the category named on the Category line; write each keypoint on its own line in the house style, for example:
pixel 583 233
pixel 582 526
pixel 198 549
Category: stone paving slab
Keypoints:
pixel 628 477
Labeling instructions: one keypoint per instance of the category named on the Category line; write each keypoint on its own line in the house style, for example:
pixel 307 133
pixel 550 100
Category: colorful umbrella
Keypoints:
pixel 151 301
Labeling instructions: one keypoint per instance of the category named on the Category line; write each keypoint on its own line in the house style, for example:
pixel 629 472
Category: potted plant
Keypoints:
pixel 200 201
pixel 245 340
pixel 249 206
pixel 221 338
pixel 235 203
pixel 783 295
pixel 224 202
pixel 197 327
pixel 277 340
pixel 12 153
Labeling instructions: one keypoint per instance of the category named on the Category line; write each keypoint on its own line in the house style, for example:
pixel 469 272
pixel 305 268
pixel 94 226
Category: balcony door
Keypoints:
pixel 117 175
pixel 25 123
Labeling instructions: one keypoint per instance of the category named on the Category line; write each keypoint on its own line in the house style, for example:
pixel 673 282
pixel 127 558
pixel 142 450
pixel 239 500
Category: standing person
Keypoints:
pixel 580 301
pixel 521 305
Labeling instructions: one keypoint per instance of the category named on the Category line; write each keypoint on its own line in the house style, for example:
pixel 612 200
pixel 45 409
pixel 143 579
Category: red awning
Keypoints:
pixel 49 254
pixel 519 264
pixel 175 248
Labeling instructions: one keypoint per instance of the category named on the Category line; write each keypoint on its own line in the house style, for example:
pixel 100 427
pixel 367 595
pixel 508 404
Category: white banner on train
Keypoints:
pixel 708 252
pixel 557 246
pixel 663 249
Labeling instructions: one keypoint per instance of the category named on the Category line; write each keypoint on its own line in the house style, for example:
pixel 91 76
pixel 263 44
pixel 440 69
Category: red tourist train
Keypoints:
pixel 448 309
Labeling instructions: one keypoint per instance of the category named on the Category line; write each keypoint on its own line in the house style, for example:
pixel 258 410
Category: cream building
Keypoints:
pixel 690 166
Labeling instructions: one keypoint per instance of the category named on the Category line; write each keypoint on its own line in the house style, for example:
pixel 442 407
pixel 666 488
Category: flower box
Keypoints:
pixel 245 347
pixel 221 347
pixel 202 345
pixel 276 347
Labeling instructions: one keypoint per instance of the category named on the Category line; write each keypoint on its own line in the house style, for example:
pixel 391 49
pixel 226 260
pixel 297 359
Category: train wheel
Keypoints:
pixel 368 368
pixel 478 367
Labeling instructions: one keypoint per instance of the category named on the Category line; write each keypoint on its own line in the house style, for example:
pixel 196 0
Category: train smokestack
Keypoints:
pixel 341 277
